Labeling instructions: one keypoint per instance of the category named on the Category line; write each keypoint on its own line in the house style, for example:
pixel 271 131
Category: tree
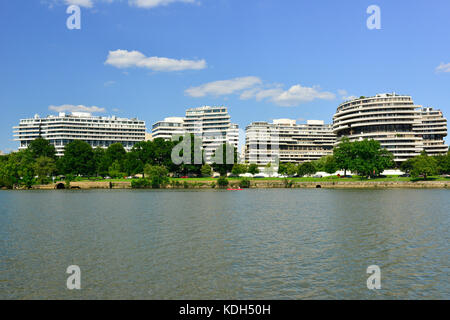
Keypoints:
pixel 78 159
pixel 344 155
pixel 142 152
pixel 253 168
pixel 407 165
pixel 224 157
pixel 132 165
pixel 115 170
pixel 306 168
pixel 282 169
pixel 162 151
pixel 206 170
pixel 17 168
pixel 42 148
pixel 291 169
pixel 330 165
pixel 239 168
pixel 369 159
pixel 326 163
pixel 443 163
pixel 8 172
pixel 424 165
pixel 24 162
pixel 157 175
pixel 319 164
pixel 101 163
pixel 43 168
pixel 115 152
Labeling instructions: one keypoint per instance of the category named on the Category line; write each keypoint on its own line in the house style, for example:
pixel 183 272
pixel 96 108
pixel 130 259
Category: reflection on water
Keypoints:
pixel 252 244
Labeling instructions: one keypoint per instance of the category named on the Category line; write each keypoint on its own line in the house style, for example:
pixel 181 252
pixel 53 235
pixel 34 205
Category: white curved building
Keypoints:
pixel 433 129
pixel 393 120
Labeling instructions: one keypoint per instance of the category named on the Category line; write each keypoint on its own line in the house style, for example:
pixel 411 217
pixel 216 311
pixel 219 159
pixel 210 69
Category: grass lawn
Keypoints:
pixel 302 179
pixel 331 178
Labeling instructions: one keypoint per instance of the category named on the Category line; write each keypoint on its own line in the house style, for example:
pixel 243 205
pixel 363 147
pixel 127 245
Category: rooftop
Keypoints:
pixel 84 115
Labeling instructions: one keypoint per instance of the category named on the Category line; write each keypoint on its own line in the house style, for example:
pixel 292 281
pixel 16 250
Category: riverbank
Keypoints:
pixel 254 183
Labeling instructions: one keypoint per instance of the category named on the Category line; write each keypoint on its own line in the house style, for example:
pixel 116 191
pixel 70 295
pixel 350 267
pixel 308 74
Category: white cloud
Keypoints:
pixel 155 3
pixel 268 93
pixel 252 88
pixel 125 59
pixel 81 3
pixel 348 98
pixel 443 67
pixel 223 87
pixel 74 108
pixel 109 83
pixel 248 94
pixel 344 95
pixel 298 94
pixel 146 4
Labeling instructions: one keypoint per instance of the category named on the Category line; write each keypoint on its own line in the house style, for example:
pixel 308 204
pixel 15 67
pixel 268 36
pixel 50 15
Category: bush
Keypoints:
pixel 253 168
pixel 289 169
pixel 306 168
pixel 175 183
pixel 239 169
pixel 244 183
pixel 69 178
pixel 157 175
pixel 287 183
pixel 140 183
pixel 206 170
pixel 424 165
pixel 222 182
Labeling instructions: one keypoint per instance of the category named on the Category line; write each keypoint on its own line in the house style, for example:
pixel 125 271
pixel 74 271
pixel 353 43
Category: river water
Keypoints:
pixel 251 244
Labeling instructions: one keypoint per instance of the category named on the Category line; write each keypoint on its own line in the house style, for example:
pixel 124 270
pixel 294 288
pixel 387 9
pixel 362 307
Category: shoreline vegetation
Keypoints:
pixel 253 183
pixel 150 165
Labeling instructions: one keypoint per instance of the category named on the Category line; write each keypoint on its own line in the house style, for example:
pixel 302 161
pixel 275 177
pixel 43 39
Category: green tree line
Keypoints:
pixel 368 159
pixel 38 163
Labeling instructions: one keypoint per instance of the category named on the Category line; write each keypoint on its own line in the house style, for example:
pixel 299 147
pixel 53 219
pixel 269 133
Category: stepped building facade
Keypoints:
pixel 400 126
pixel 284 140
pixel 432 127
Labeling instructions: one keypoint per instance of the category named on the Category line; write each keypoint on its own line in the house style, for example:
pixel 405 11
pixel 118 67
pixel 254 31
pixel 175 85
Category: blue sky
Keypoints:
pixel 263 59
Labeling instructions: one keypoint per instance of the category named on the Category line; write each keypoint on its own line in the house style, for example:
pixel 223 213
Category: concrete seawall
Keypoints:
pixel 75 185
pixel 262 184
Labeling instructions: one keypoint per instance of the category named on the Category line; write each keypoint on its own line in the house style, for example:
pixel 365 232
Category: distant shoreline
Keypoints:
pixel 278 183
